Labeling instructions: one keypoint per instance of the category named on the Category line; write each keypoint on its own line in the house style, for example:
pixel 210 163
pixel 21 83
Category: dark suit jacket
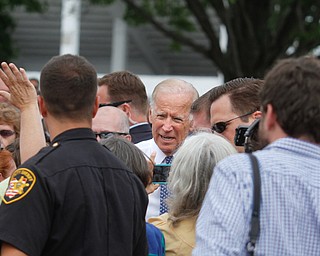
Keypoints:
pixel 141 133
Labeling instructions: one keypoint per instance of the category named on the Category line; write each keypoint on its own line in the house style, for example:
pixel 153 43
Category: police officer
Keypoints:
pixel 74 197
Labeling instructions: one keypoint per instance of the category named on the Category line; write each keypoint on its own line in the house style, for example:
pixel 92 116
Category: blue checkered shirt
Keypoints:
pixel 290 203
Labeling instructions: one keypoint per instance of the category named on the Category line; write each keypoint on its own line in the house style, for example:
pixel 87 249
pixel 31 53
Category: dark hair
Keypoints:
pixel 124 85
pixel 131 155
pixel 243 94
pixel 69 87
pixel 202 104
pixel 293 89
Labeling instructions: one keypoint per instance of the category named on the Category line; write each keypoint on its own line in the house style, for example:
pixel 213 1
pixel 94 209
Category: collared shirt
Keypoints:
pixel 148 147
pixel 74 198
pixel 290 203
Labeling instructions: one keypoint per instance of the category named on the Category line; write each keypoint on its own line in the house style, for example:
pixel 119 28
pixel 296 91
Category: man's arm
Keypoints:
pixel 23 95
pixel 8 249
pixel 222 225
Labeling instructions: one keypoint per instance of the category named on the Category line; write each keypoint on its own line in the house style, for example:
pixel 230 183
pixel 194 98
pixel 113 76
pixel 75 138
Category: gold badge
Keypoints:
pixel 21 183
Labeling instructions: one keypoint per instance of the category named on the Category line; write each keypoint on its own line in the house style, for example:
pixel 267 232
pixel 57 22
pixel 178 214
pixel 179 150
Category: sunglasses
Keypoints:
pixel 6 133
pixel 114 104
pixel 105 135
pixel 220 127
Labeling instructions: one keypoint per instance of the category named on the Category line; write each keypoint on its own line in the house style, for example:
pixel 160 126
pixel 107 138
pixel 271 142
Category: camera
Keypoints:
pixel 247 136
pixel 161 173
pixel 239 137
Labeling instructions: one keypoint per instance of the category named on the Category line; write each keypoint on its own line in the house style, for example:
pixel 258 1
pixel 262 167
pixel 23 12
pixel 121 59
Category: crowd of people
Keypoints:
pixel 78 154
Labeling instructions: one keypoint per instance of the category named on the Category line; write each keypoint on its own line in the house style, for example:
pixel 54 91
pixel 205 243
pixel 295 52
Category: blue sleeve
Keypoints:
pixel 156 243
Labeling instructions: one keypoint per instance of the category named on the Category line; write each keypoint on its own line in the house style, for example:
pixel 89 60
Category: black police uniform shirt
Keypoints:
pixel 74 198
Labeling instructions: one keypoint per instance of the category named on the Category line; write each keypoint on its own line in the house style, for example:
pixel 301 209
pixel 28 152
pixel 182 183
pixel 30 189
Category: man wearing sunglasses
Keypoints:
pixel 126 91
pixel 289 167
pixel 110 121
pixel 233 104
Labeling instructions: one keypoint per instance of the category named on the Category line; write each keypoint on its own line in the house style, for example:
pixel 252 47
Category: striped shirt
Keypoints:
pixel 290 203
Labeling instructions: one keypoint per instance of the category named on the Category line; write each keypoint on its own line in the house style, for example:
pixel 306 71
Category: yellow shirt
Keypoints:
pixel 179 240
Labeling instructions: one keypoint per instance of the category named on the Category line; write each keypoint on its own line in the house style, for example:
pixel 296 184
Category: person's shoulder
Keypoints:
pixel 42 154
pixel 159 221
pixel 153 231
pixel 152 228
pixel 239 162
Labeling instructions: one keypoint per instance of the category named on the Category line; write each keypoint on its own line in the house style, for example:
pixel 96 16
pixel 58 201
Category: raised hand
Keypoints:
pixel 22 92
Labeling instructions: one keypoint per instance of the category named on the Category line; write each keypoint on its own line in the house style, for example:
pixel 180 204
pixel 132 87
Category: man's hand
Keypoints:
pixel 22 92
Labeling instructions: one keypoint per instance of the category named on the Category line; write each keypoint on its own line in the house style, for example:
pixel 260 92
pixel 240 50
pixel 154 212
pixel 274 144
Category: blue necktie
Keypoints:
pixel 164 192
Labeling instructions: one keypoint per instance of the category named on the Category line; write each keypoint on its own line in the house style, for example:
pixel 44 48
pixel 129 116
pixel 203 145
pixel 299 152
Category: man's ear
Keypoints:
pixel 150 115
pixel 42 107
pixel 257 114
pixel 95 107
pixel 126 108
pixel 128 137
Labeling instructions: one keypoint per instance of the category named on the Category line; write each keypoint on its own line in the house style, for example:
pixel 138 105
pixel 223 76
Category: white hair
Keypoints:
pixel 174 86
pixel 191 170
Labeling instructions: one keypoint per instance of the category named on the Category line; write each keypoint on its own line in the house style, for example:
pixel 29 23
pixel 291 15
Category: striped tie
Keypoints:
pixel 164 193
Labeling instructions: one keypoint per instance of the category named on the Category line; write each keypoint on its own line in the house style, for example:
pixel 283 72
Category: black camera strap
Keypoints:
pixel 255 223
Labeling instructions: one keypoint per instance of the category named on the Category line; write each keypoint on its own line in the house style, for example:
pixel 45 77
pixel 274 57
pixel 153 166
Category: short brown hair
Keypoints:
pixel 243 94
pixel 293 89
pixel 124 85
pixel 69 87
pixel 202 104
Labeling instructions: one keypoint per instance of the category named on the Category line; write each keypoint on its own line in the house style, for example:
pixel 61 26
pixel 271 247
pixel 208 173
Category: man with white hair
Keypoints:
pixel 170 118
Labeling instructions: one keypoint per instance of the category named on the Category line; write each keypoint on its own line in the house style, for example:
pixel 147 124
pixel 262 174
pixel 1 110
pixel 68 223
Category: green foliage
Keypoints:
pixel 259 32
pixel 7 24
pixel 174 13
pixel 180 19
pixel 175 46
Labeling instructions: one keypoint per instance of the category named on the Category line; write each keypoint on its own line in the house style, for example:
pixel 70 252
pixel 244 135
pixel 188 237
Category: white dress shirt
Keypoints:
pixel 148 147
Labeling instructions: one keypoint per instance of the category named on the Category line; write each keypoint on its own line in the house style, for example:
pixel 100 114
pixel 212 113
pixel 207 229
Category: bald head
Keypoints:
pixel 174 86
pixel 110 119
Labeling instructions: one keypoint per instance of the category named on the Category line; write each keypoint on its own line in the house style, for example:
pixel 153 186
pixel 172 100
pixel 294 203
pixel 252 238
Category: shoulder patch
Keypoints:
pixel 20 184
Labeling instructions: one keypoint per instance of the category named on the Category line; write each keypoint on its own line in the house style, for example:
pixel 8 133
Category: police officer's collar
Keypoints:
pixel 74 134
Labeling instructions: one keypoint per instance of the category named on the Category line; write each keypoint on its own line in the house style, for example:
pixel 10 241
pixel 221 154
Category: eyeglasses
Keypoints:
pixel 6 133
pixel 114 104
pixel 221 126
pixel 105 135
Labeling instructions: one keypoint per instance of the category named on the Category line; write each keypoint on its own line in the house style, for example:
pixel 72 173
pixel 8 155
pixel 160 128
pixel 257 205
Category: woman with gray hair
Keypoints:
pixel 191 170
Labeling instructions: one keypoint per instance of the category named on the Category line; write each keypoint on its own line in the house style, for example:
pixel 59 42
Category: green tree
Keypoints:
pixel 259 31
pixel 7 24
